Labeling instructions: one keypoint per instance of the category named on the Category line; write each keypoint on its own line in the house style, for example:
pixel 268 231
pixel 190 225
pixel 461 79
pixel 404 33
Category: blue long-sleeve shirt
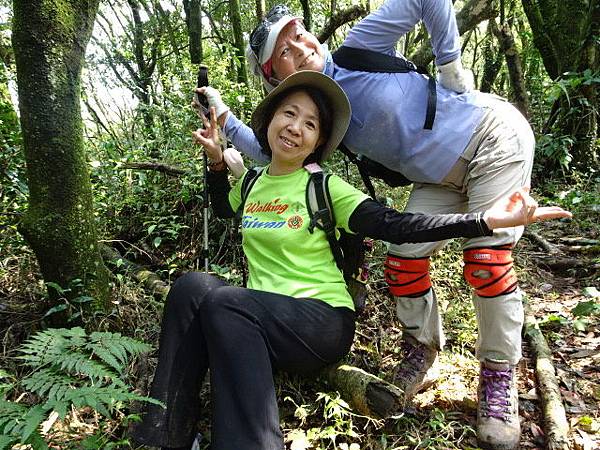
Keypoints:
pixel 388 110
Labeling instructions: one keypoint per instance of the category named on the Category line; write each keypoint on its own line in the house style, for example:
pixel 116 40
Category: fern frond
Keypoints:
pixel 71 369
pixel 103 399
pixel 115 349
pixel 34 417
pixel 10 412
pixel 49 345
pixel 19 422
pixel 49 383
pixel 80 364
pixel 6 442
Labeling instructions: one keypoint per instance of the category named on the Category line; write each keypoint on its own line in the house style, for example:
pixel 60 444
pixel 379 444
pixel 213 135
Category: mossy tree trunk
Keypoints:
pixel 235 18
pixel 566 34
pixel 49 41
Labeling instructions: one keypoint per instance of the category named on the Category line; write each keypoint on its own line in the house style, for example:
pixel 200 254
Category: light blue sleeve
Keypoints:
pixel 242 137
pixel 381 30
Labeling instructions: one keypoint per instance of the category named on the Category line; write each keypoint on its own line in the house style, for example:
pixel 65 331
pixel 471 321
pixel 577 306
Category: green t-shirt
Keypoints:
pixel 283 256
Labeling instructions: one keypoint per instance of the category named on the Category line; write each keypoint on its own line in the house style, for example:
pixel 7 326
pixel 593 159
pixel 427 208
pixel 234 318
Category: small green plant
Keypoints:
pixel 584 312
pixel 70 369
pixel 338 424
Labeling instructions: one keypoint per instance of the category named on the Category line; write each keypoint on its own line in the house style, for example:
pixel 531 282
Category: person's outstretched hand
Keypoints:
pixel 209 137
pixel 519 208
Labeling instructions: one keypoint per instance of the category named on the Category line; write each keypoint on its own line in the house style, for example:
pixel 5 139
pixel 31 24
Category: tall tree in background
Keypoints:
pixel 193 20
pixel 566 33
pixel 49 41
pixel 133 58
pixel 260 10
pixel 235 18
pixel 306 14
pixel 514 65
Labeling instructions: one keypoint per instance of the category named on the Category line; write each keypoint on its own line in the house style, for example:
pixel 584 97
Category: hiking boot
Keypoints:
pixel 411 374
pixel 498 426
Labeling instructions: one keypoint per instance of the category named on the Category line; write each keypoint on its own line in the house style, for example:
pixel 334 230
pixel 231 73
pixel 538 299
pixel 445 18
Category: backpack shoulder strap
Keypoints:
pixel 362 169
pixel 247 182
pixel 320 210
pixel 372 61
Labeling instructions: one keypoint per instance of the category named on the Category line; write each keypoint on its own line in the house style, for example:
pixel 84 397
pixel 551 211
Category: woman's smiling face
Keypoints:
pixel 294 131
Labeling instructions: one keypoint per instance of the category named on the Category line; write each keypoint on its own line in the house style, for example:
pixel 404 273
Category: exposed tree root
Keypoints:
pixel 537 239
pixel 151 282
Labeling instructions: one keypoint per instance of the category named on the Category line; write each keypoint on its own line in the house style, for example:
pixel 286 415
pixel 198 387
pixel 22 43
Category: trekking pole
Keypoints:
pixel 205 212
pixel 201 100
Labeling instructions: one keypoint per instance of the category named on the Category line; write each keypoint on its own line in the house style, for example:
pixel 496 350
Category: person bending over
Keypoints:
pixel 295 314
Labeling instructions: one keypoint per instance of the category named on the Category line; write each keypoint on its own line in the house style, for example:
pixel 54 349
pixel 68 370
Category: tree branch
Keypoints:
pixel 472 14
pixel 159 167
pixel 340 18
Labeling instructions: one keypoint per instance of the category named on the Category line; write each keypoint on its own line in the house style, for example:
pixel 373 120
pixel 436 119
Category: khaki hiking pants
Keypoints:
pixel 497 161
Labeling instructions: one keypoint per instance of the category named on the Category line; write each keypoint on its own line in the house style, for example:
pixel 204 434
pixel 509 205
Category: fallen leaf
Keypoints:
pixel 571 397
pixel 536 431
pixel 591 291
pixel 530 395
pixel 583 441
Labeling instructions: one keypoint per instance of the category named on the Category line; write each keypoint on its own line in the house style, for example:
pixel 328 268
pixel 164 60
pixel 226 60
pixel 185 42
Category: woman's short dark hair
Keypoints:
pixel 325 120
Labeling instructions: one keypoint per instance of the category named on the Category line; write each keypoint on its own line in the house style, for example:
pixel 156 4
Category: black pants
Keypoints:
pixel 242 335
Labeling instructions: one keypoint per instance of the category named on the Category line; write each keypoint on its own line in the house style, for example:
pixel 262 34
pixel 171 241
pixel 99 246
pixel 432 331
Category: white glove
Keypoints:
pixel 214 99
pixel 454 77
pixel 234 161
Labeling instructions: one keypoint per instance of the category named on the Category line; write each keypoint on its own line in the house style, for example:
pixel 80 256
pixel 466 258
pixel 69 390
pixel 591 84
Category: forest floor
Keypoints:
pixel 560 274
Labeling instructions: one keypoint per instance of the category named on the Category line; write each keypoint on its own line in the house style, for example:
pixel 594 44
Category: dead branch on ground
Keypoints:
pixel 555 420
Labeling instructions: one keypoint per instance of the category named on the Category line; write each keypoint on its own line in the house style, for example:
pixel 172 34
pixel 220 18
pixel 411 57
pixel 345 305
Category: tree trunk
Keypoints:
pixel 260 10
pixel 515 68
pixel 49 44
pixel 193 20
pixel 306 14
pixel 565 32
pixel 492 60
pixel 145 68
pixel 238 37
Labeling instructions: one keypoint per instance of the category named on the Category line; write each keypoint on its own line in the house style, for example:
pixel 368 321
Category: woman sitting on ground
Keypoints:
pixel 296 314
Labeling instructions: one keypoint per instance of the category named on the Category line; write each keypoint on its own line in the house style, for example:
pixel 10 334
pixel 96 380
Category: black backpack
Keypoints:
pixel 370 61
pixel 349 250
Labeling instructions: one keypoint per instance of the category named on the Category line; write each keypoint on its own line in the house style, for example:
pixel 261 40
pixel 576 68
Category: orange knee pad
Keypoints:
pixel 407 277
pixel 490 270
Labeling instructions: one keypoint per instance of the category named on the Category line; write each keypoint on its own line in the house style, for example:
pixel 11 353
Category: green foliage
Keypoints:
pixel 337 423
pixel 556 149
pixel 71 369
pixel 586 309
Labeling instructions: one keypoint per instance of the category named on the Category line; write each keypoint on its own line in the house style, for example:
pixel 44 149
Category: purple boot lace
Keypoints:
pixel 496 391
